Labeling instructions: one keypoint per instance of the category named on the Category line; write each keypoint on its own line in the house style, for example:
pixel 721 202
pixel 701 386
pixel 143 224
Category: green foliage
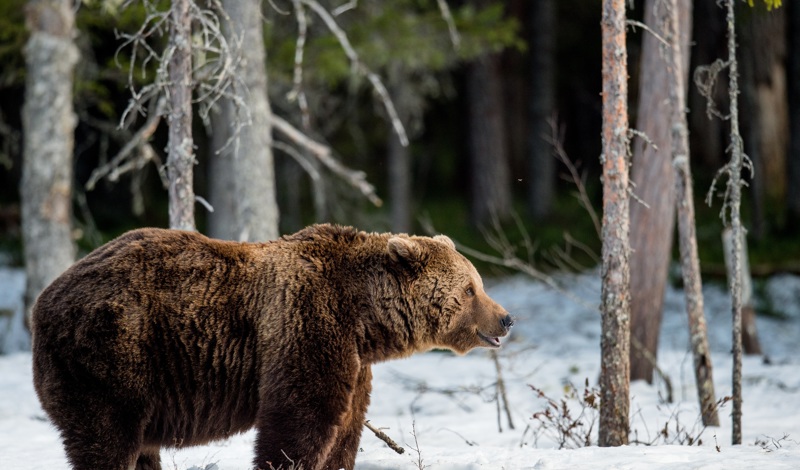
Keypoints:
pixel 13 35
pixel 770 3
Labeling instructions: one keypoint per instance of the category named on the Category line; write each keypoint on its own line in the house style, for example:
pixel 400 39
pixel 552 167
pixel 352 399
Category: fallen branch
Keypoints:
pixel 382 436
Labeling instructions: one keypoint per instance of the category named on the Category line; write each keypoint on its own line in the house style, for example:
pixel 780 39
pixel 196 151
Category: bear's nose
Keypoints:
pixel 507 322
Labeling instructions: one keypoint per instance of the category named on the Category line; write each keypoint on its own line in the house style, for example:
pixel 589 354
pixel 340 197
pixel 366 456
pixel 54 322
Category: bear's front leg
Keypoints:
pixel 302 408
pixel 343 453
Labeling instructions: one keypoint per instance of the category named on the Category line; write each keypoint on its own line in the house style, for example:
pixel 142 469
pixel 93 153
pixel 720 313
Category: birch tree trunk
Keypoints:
pixel 254 168
pixel 48 121
pixel 615 303
pixel 652 227
pixel 690 262
pixel 180 160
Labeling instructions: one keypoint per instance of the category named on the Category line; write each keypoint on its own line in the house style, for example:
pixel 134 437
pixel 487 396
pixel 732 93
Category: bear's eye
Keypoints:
pixel 470 291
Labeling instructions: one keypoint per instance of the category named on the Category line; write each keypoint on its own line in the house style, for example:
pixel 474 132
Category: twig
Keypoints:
pixel 451 24
pixel 501 391
pixel 322 152
pixel 385 438
pixel 361 68
pixel 114 168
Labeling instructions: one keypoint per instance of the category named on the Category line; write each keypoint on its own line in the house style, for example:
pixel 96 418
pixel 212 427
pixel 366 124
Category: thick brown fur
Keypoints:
pixel 167 338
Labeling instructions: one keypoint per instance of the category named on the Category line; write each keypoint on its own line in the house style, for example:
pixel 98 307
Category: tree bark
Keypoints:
pixel 254 169
pixel 690 261
pixel 734 199
pixel 750 342
pixel 491 189
pixel 399 158
pixel 652 173
pixel 541 162
pixel 221 181
pixel 765 111
pixel 48 121
pixel 180 160
pixel 615 303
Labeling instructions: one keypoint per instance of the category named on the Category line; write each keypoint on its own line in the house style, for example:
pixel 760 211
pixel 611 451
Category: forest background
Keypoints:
pixel 487 118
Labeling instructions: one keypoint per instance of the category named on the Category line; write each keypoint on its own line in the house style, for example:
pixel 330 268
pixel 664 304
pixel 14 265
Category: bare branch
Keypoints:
pixel 118 165
pixel 322 152
pixel 638 24
pixel 360 68
pixel 451 24
pixel 384 437
pixel 297 87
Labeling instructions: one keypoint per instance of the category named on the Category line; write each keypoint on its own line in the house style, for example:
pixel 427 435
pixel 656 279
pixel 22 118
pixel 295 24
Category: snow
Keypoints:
pixel 441 407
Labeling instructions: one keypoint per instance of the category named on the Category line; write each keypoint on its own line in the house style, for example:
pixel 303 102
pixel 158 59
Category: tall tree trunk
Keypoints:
pixel 765 111
pixel 734 200
pixel 48 121
pixel 652 227
pixel 221 181
pixel 690 261
pixel 491 189
pixel 615 303
pixel 793 157
pixel 254 169
pixel 399 158
pixel 180 145
pixel 541 162
pixel 400 185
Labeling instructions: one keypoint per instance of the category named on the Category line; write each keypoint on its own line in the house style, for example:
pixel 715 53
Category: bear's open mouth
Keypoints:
pixel 493 342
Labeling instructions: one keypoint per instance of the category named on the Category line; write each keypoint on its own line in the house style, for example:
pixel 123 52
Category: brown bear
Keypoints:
pixel 168 338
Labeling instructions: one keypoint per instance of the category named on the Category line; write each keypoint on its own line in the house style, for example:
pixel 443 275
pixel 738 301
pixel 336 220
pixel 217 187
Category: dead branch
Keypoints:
pixel 297 92
pixel 501 392
pixel 384 437
pixel 360 68
pixel 357 179
pixel 118 165
pixel 451 24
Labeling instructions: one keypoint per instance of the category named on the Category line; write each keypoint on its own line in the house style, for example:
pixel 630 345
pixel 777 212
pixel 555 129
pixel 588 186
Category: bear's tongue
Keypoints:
pixel 493 341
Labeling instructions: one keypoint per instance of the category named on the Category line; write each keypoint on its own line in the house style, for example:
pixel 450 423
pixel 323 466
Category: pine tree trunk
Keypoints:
pixel 652 227
pixel 541 161
pixel 180 160
pixel 254 169
pixel 615 303
pixel 690 262
pixel 491 188
pixel 48 121
pixel 734 194
pixel 399 158
pixel 221 181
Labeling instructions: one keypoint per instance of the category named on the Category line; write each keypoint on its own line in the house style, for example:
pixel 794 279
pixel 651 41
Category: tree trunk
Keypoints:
pixel 734 200
pixel 615 303
pixel 399 158
pixel 254 170
pixel 750 342
pixel 652 227
pixel 541 162
pixel 48 121
pixel 221 181
pixel 690 262
pixel 765 111
pixel 400 185
pixel 180 160
pixel 793 157
pixel 491 188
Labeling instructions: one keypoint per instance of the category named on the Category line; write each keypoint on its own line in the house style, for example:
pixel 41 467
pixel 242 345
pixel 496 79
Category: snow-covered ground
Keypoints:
pixel 441 408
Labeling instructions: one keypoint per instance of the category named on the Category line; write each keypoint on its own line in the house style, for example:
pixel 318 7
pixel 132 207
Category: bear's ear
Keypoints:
pixel 404 249
pixel 446 240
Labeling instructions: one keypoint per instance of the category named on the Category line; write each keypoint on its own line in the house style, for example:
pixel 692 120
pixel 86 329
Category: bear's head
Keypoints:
pixel 447 295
